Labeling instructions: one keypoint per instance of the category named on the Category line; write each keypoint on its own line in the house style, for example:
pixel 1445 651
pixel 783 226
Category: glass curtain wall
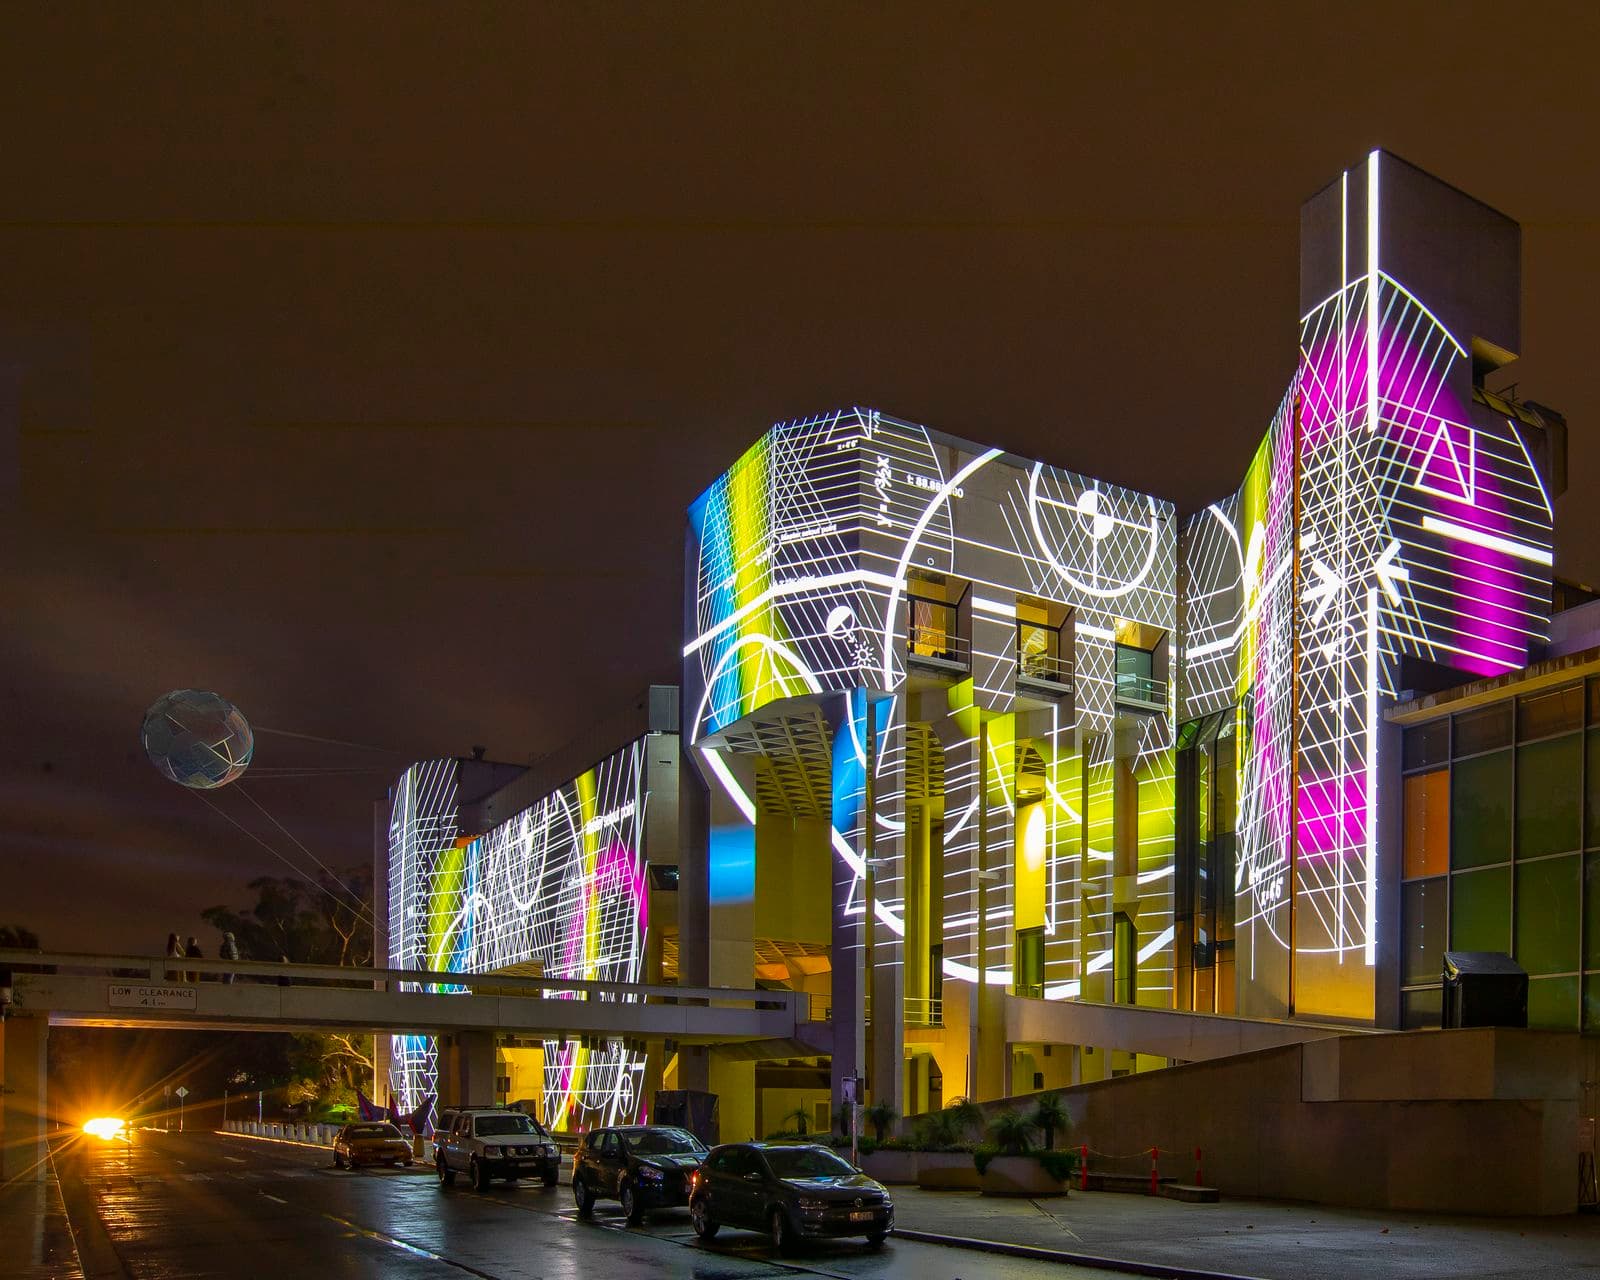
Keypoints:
pixel 1204 885
pixel 1502 851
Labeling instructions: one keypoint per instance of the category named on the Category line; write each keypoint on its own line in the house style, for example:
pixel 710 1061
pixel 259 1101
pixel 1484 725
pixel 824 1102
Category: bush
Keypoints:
pixel 1060 1165
pixel 1049 1116
pixel 966 1119
pixel 880 1115
pixel 1012 1133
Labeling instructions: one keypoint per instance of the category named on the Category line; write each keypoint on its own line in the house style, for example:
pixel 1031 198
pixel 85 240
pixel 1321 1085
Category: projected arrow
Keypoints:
pixel 1323 590
pixel 1387 570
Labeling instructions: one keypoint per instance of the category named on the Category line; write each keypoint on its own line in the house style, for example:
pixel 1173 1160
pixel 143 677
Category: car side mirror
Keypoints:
pixel 752 1177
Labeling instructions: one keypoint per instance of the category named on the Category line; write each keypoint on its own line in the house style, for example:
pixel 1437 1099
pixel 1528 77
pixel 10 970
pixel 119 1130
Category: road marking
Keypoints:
pixel 235 1159
pixel 414 1250
pixel 274 1198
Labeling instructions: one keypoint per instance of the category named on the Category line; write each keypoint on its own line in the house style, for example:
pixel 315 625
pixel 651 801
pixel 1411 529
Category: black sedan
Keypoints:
pixel 792 1193
pixel 644 1166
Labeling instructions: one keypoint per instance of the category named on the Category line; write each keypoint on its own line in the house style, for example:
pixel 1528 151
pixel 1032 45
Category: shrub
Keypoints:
pixel 1012 1132
pixel 880 1115
pixel 966 1119
pixel 1060 1165
pixel 1049 1116
pixel 800 1116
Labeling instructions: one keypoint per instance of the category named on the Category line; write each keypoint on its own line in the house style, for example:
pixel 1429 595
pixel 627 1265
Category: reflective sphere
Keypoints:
pixel 197 738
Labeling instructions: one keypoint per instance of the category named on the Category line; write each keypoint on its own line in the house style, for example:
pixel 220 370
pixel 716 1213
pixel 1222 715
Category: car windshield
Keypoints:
pixel 806 1162
pixel 372 1131
pixel 663 1142
pixel 496 1126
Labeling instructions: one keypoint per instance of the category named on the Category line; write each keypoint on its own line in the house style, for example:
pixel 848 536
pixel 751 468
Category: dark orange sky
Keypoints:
pixel 359 361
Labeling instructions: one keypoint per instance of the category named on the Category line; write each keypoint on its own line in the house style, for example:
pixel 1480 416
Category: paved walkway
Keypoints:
pixel 1275 1240
pixel 35 1238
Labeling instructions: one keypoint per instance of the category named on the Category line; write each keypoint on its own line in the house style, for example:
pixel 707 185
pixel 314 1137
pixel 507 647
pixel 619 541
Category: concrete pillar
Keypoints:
pixel 466 1069
pixel 23 1102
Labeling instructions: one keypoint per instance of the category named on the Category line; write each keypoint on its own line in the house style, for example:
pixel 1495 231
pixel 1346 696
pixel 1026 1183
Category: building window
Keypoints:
pixel 1484 730
pixel 1543 715
pixel 1029 973
pixel 1423 930
pixel 1124 960
pixel 934 620
pixel 1426 745
pixel 1547 914
pixel 1548 797
pixel 1480 910
pixel 1427 824
pixel 1136 682
pixel 1480 810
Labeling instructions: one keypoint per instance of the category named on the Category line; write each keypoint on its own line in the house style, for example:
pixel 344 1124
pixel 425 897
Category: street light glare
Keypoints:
pixel 107 1128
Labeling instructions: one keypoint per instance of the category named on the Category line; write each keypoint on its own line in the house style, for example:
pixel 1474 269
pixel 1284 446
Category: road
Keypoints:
pixel 170 1206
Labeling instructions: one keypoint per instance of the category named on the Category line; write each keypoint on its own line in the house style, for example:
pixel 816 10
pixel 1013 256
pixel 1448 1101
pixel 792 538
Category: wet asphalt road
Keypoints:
pixel 188 1205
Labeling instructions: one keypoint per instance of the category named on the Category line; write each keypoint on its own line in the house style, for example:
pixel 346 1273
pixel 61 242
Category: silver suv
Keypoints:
pixel 486 1143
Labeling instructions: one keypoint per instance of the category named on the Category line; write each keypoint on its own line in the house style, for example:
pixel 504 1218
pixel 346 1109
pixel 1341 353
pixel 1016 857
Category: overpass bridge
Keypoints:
pixel 467 1012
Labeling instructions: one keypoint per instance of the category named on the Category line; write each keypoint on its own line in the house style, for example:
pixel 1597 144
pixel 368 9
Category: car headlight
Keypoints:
pixel 549 1151
pixel 807 1202
pixel 493 1153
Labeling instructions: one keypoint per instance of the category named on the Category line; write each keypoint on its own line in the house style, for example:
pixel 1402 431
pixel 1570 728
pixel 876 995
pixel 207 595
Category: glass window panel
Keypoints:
pixel 1591 911
pixel 1427 744
pixel 1541 715
pixel 1547 915
pixel 1591 1002
pixel 1594 700
pixel 1553 1003
pixel 1421 1008
pixel 1427 824
pixel 1591 792
pixel 1480 810
pixel 1422 930
pixel 1548 795
pixel 1483 730
pixel 1480 910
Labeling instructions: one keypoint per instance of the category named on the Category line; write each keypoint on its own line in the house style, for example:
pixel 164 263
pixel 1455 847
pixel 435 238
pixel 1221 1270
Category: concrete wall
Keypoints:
pixel 1476 1121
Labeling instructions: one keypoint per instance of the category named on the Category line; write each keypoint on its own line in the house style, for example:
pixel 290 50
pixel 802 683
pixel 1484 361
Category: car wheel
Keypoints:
pixel 447 1175
pixel 875 1239
pixel 582 1197
pixel 704 1226
pixel 630 1204
pixel 480 1175
pixel 551 1178
pixel 779 1231
pixel 338 1160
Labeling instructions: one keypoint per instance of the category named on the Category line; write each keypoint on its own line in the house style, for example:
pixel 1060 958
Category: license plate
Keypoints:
pixel 861 1215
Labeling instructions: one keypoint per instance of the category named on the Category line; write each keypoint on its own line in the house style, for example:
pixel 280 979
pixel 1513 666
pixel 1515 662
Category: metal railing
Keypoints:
pixel 1140 691
pixel 1047 669
pixel 924 1011
pixel 933 633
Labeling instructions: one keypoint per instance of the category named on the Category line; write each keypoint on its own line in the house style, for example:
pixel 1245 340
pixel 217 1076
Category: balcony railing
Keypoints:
pixel 933 634
pixel 924 1011
pixel 1141 691
pixel 1047 671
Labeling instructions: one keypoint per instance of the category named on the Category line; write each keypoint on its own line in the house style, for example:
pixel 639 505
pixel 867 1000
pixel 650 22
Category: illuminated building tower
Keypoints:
pixel 1392 534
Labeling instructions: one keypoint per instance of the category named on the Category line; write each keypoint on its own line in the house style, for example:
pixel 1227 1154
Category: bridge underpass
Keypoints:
pixel 81 990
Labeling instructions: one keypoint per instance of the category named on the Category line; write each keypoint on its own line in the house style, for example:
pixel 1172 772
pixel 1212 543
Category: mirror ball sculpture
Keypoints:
pixel 197 738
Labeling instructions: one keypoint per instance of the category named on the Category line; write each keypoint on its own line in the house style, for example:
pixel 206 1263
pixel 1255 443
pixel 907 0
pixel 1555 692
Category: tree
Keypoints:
pixel 1012 1132
pixel 800 1116
pixel 326 922
pixel 880 1115
pixel 1049 1115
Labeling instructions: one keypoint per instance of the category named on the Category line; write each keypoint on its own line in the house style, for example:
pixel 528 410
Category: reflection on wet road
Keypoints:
pixel 186 1205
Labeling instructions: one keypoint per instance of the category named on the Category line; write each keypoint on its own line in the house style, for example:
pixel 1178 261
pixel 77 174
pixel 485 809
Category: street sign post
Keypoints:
pixel 182 1093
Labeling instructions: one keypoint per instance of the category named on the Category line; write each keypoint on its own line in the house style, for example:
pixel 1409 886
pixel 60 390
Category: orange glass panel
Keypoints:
pixel 1427 843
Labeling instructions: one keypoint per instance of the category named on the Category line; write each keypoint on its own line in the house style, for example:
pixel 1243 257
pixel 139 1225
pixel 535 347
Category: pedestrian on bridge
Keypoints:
pixel 193 952
pixel 174 950
pixel 229 951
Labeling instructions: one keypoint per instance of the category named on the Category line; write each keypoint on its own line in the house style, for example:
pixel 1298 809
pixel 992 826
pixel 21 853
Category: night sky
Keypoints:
pixel 359 362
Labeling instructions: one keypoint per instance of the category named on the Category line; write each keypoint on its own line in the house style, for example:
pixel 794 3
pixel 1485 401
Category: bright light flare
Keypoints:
pixel 106 1128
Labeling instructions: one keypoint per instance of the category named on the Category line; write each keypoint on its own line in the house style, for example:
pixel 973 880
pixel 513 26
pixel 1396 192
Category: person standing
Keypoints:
pixel 174 952
pixel 230 951
pixel 192 951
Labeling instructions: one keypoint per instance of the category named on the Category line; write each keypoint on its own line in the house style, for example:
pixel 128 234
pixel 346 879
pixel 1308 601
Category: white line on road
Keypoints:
pixel 275 1199
pixel 235 1159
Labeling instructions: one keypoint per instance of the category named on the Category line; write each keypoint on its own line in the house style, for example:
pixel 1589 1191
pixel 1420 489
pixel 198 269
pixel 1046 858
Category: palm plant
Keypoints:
pixel 1012 1132
pixel 800 1115
pixel 880 1115
pixel 1049 1116
pixel 966 1118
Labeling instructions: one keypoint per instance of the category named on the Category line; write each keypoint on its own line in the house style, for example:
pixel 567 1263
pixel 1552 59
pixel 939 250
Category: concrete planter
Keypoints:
pixel 946 1171
pixel 893 1167
pixel 1019 1176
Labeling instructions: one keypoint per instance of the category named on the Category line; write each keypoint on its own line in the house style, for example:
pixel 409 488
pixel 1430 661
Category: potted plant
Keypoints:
pixel 944 1160
pixel 1011 1168
pixel 880 1115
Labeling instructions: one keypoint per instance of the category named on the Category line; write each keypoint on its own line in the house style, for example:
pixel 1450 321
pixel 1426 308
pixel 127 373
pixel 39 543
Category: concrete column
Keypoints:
pixel 466 1069
pixel 23 1101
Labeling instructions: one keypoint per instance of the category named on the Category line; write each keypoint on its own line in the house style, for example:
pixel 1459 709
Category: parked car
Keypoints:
pixel 486 1143
pixel 646 1167
pixel 370 1142
pixel 792 1192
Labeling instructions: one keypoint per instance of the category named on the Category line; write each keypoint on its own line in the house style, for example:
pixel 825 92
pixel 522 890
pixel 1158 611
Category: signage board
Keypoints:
pixel 146 995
